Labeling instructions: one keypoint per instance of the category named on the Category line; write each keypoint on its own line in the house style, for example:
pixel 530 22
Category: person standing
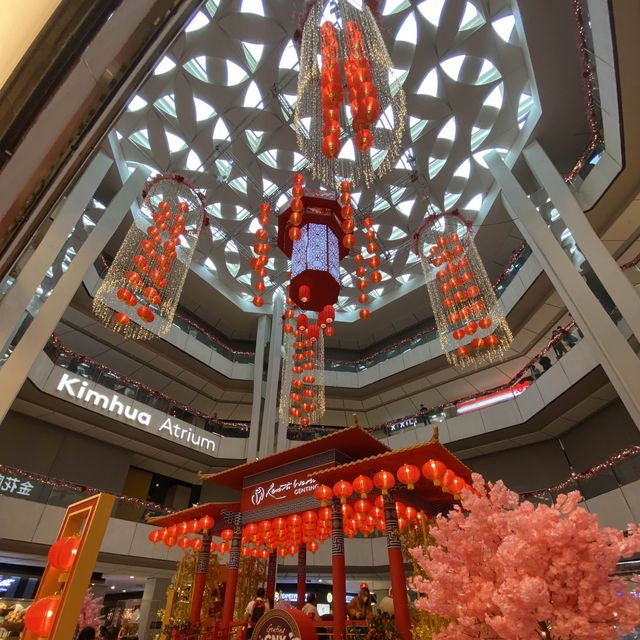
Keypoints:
pixel 360 606
pixel 558 348
pixel 545 362
pixel 310 609
pixel 423 413
pixel 255 610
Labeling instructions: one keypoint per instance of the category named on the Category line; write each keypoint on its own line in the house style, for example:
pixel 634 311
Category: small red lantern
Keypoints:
pixel 342 489
pixel 384 480
pixel 447 479
pixel 63 552
pixel 226 534
pixel 155 536
pixel 183 542
pixel 409 474
pixel 434 470
pixel 456 486
pixel 323 494
pixel 41 615
pixel 194 526
pixel 363 485
pixel 304 293
pixel 206 523
pixel 223 547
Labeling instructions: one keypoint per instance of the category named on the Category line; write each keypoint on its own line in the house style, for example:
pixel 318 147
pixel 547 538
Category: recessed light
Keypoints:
pixel 113 586
pixel 132 577
pixel 124 591
pixel 319 579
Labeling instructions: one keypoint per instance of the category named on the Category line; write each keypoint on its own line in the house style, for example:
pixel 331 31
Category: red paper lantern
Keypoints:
pixel 434 470
pixel 183 542
pixel 491 341
pixel 323 494
pixel 384 480
pixel 226 534
pixel 365 314
pixel 342 489
pixel 63 553
pixel 447 479
pixel 471 328
pixel 409 474
pixel 41 615
pixel 155 536
pixel 206 523
pixel 223 547
pixel 458 334
pixel 194 526
pixel 258 301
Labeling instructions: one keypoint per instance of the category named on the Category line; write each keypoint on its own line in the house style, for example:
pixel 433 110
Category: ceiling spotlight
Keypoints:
pixel 132 577
pixel 113 586
pixel 319 579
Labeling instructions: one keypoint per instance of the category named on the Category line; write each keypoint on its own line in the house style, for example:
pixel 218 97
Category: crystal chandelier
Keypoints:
pixel 345 95
pixel 470 320
pixel 140 292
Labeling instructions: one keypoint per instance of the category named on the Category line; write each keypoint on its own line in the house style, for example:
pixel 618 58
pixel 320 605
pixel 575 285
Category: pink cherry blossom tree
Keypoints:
pixel 501 569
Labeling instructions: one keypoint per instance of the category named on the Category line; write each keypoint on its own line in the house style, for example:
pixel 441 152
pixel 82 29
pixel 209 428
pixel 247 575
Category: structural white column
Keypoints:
pixel 258 370
pixel 601 261
pixel 154 597
pixel 612 350
pixel 14 303
pixel 15 370
pixel 270 413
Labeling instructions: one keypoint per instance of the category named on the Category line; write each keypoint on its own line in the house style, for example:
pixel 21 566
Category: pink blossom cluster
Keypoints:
pixel 511 570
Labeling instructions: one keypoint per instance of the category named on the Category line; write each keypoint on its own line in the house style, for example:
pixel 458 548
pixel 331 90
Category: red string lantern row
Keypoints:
pixel 261 249
pixel 176 533
pixel 331 91
pixel 363 95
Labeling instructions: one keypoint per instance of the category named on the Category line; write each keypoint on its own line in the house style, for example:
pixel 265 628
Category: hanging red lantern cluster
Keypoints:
pixel 178 533
pixel 147 275
pixel 363 95
pixel 261 250
pixel 461 294
pixel 438 473
pixel 347 53
pixel 331 91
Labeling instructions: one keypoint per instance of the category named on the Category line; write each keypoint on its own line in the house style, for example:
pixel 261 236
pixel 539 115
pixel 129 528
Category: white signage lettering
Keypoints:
pixel 78 389
pixel 15 486
pixel 282 490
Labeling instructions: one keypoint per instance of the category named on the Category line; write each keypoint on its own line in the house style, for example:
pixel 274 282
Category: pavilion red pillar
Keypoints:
pixel 200 580
pixel 338 572
pixel 232 578
pixel 302 574
pixel 272 569
pixel 396 569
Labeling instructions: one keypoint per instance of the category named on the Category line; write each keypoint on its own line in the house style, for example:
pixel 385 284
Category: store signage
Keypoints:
pixel 74 387
pixel 280 490
pixel 402 424
pixel 14 486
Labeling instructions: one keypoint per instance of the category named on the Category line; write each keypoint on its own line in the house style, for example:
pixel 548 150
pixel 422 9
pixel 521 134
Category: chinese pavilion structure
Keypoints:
pixel 287 485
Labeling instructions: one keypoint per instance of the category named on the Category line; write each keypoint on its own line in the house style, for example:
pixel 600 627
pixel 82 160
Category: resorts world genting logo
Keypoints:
pixel 282 490
pixel 79 390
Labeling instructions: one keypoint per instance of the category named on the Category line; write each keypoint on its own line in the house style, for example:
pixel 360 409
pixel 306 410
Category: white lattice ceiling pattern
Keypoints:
pixel 218 108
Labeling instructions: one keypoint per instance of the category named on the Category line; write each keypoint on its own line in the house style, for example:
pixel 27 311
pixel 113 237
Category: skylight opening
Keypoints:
pixel 488 73
pixel 166 64
pixel 235 74
pixel 197 67
pixel 395 6
pixel 380 204
pixel 254 138
pixel 397 193
pixel 252 98
pixel 253 54
pixel 268 187
pixel 448 132
pixel 198 21
pixel 385 121
pixel 453 66
pixel 299 161
pixel 450 199
pixel 167 105
pixel 408 31
pixel 136 103
pixel 214 209
pixel 478 136
pixel 141 138
pixel 175 143
pixel 435 166
pixel 220 131
pixel 431 10
pixel 405 207
pixel 403 278
pixel 348 151
pixel 429 85
pixel 224 167
pixel 204 110
pixel 474 204
pixel 397 234
pixel 208 262
pixel 269 157
pixel 239 184
pixel 289 57
pixel 495 97
pixel 479 157
pixel 471 18
pixel 212 7
pixel 464 170
pixel 193 161
pixel 252 6
pixel 416 127
pixel 254 225
pixel 554 214
pixel 504 27
pixel 377 157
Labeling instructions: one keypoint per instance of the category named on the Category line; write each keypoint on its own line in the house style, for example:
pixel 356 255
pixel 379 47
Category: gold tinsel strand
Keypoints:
pixel 389 128
pixel 106 304
pixel 490 308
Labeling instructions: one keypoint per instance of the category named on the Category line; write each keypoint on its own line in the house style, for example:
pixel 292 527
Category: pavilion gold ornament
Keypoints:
pixel 346 94
pixel 140 292
pixel 470 320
